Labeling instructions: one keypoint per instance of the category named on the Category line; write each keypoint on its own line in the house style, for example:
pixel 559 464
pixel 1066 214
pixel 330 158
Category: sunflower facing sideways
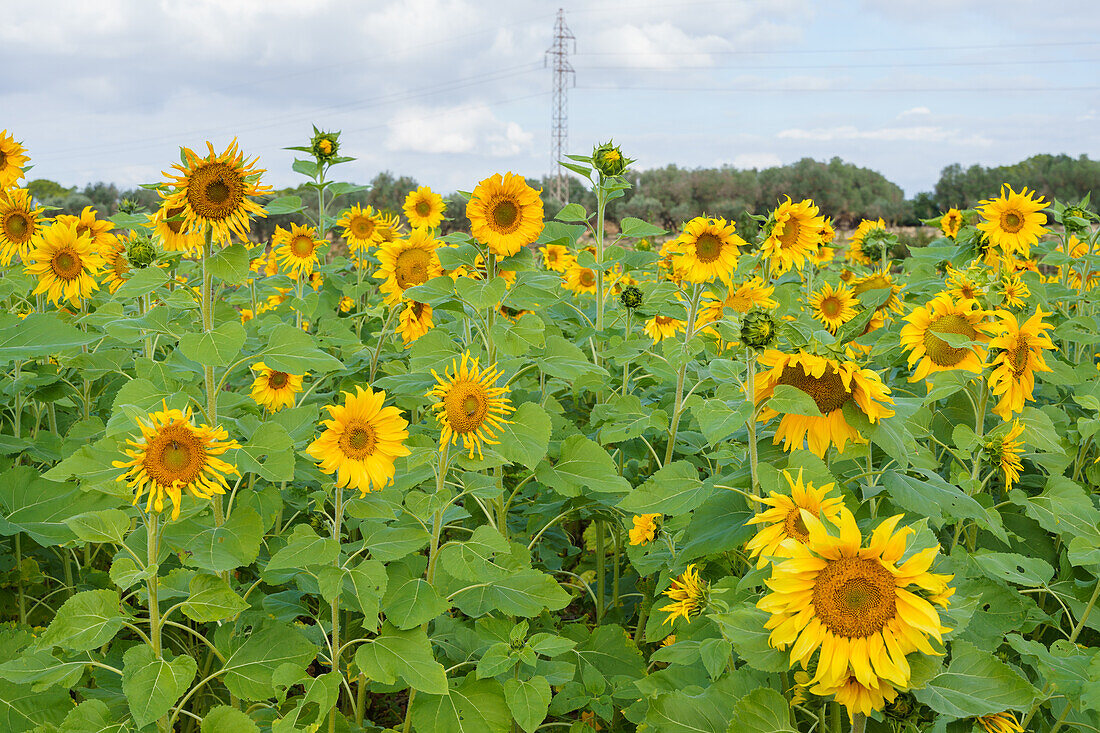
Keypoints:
pixel 505 214
pixel 1013 221
pixel 296 249
pixel 660 328
pixel 361 227
pixel 706 250
pixel 414 322
pixel 407 262
pixel 834 306
pixel 831 384
pixel 783 519
pixel 214 192
pixel 1003 450
pixel 868 228
pixel 361 441
pixel 795 235
pixel 13 158
pixel 65 264
pixel 173 454
pixel 168 226
pixel 580 279
pixel 470 405
pixel 1000 723
pixel 1018 354
pixel 966 322
pixel 424 208
pixel 273 389
pixel 117 266
pixel 689 596
pixel 20 224
pixel 951 222
pixel 557 257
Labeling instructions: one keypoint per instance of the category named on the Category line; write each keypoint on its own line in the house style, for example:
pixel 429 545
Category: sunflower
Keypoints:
pixel 13 158
pixel 1013 221
pixel 415 321
pixel 361 227
pixel 1013 290
pixel 1004 452
pixel 999 723
pixel 174 454
pixel 20 224
pixel 296 249
pixel 834 306
pixel 557 257
pixel 214 191
pixel 470 405
pixel 856 697
pixel 962 285
pixel 424 208
pixel 644 529
pixel 361 441
pixel 828 232
pixel 505 214
pixel 859 237
pixel 879 280
pixel 580 279
pixel 1018 354
pixel 273 389
pixel 831 384
pixel 98 230
pixel 783 520
pixel 168 224
pixel 964 319
pixel 390 228
pixel 742 299
pixel 116 264
pixel 951 222
pixel 689 596
pixel 660 328
pixel 795 235
pixel 705 250
pixel 407 262
pixel 668 640
pixel 857 605
pixel 66 264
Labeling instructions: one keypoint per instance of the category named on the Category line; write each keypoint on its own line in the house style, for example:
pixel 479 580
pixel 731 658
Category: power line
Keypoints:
pixel 558 54
pixel 776 67
pixel 830 90
pixel 890 49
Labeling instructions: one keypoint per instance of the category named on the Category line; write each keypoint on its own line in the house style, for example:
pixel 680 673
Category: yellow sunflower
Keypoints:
pixel 470 405
pixel 855 251
pixel 828 232
pixel 831 384
pixel 361 441
pixel 390 228
pixel 1013 221
pixel 13 158
pixel 1000 723
pixel 1004 451
pixel 783 520
pixel 361 227
pixel 404 263
pixel 580 279
pixel 968 326
pixel 963 285
pixel 174 454
pixel 834 306
pixel 795 236
pixel 168 225
pixel 557 257
pixel 857 697
pixel 65 264
pixel 424 208
pixel 859 607
pixel 20 224
pixel 660 328
pixel 879 280
pixel 705 250
pixel 1013 290
pixel 505 214
pixel 742 299
pixel 296 249
pixel 346 304
pixel 644 529
pixel 414 322
pixel 689 595
pixel 214 192
pixel 1018 354
pixel 273 389
pixel 98 230
pixel 117 266
pixel 951 222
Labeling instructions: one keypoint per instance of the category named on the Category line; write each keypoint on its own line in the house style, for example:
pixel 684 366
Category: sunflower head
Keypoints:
pixel 793 234
pixel 414 322
pixel 505 214
pixel 951 222
pixel 631 297
pixel 946 334
pixel 140 250
pixel 689 594
pixel 13 159
pixel 706 250
pixel 296 250
pixel 1003 450
pixel 834 306
pixel 782 518
pixel 324 145
pixel 1013 221
pixel 65 263
pixel 21 224
pixel 758 330
pixel 273 389
pixel 609 160
pixel 424 208
pixel 1000 723
pixel 405 263
pixel 644 529
pixel 470 405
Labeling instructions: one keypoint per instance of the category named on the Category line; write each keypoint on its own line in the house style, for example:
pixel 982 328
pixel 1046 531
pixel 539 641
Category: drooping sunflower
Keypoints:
pixel 834 306
pixel 361 441
pixel 20 224
pixel 424 208
pixel 1013 290
pixel 13 158
pixel 66 264
pixel 98 230
pixel 273 389
pixel 414 322
pixel 707 249
pixel 557 257
pixel 1004 451
pixel 117 266
pixel 296 249
pixel 860 607
pixel 644 529
pixel 173 454
pixel 1000 723
pixel 879 280
pixel 168 225
pixel 407 262
pixel 689 596
pixel 390 228
pixel 831 384
pixel 470 405
pixel 951 222
pixel 966 321
pixel 580 279
pixel 1018 354
pixel 505 214
pixel 783 519
pixel 856 251
pixel 749 295
pixel 857 697
pixel 360 227
pixel 660 328
pixel 1013 221
pixel 795 235
pixel 214 191
pixel 964 285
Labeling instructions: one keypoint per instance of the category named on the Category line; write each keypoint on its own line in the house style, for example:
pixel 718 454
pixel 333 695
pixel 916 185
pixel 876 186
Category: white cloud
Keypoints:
pixel 910 134
pixel 914 112
pixel 757 160
pixel 462 129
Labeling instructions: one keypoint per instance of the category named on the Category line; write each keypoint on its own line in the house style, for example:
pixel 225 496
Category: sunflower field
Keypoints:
pixel 546 473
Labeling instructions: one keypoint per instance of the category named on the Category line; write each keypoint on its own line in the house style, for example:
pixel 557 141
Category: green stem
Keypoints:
pixel 689 331
pixel 601 206
pixel 208 370
pixel 601 570
pixel 152 584
pixel 19 576
pixel 750 424
pixel 859 723
pixel 381 340
pixel 337 520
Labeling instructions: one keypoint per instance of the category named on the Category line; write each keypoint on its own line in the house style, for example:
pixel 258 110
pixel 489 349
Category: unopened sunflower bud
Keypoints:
pixel 758 330
pixel 129 206
pixel 325 145
pixel 631 297
pixel 141 252
pixel 1075 219
pixel 609 160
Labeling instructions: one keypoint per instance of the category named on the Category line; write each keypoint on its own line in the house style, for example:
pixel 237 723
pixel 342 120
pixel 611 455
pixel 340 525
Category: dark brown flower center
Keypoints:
pixel 1011 222
pixel 794 526
pixel 16 225
pixel 175 455
pixel 411 267
pixel 301 246
pixel 587 278
pixel 939 351
pixel 278 380
pixel 854 597
pixel 466 405
pixel 828 391
pixel 422 208
pixel 358 440
pixel 708 247
pixel 66 264
pixel 505 215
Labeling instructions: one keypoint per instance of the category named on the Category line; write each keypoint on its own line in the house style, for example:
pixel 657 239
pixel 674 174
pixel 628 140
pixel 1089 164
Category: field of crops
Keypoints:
pixel 536 475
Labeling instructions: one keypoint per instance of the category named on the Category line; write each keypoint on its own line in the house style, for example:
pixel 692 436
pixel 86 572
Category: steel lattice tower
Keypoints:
pixel 557 55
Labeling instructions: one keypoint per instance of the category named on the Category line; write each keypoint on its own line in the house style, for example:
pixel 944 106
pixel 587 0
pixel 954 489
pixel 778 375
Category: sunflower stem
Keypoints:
pixel 859 723
pixel 19 578
pixel 381 340
pixel 678 404
pixel 152 532
pixel 337 520
pixel 601 570
pixel 208 370
pixel 601 207
pixel 750 424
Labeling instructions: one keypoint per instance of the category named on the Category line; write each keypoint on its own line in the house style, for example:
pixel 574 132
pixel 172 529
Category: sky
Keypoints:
pixel 451 91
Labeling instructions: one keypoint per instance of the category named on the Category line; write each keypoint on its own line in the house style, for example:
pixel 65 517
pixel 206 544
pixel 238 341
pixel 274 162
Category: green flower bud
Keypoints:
pixel 609 160
pixel 129 206
pixel 758 330
pixel 1075 219
pixel 325 145
pixel 142 252
pixel 631 297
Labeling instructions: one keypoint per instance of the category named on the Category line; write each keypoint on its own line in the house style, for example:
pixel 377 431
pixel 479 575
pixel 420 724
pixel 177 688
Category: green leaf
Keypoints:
pixel 583 467
pixel 414 603
pixel 153 685
pixel 369 580
pixel 675 489
pixel 219 347
pixel 269 453
pixel 695 709
pixel 623 417
pixel 480 294
pixel 435 292
pixel 717 420
pixel 474 706
pixel 793 401
pixel 22 708
pixel 93 716
pixel 516 339
pixel 141 282
pixel 42 508
pixel 38 335
pixel 762 711
pixel 106 525
pixel 474 559
pixel 1013 568
pixel 572 213
pixel 940 501
pixel 743 626
pixel 229 264
pixel 1063 508
pixel 529 700
pixel 211 599
pixel 42 669
pixel 566 361
pixel 305 549
pixel 88 620
pixel 224 719
pixel 251 661
pixel 610 650
pixel 294 351
pixel 976 683
pixel 631 227
pixel 524 440
pixel 526 593
pixel 218 549
pixel 402 654
pixel 290 204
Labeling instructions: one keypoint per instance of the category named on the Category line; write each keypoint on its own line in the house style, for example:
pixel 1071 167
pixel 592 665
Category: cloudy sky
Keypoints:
pixel 450 91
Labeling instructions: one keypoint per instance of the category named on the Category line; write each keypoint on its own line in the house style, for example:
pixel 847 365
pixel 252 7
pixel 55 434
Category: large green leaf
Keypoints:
pixel 294 351
pixel 474 559
pixel 88 620
pixel 42 669
pixel 583 467
pixel 743 626
pixel 566 361
pixel 940 501
pixel 473 706
pixel 526 593
pixel 528 700
pixel 153 685
pixel 525 438
pixel 224 719
pixel 413 603
pixel 41 508
pixel 675 489
pixel 22 708
pixel 400 654
pixel 251 661
pixel 218 549
pixel 269 453
pixel 38 335
pixel 211 599
pixel 976 683
pixel 107 525
pixel 229 264
pixel 219 347
pixel 762 711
